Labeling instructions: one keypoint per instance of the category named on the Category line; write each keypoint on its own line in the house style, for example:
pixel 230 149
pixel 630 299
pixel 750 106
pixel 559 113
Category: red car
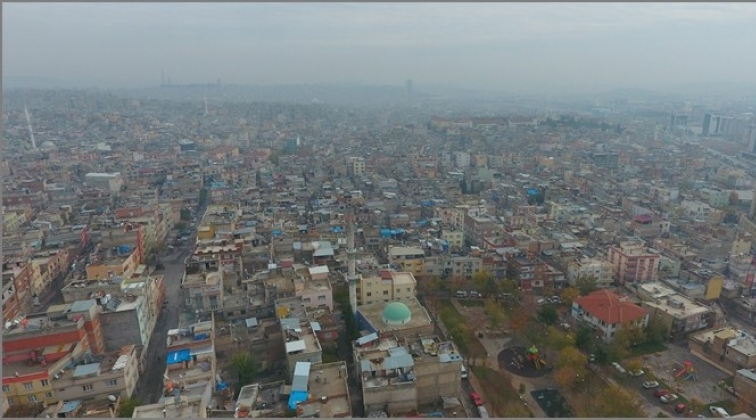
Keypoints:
pixel 660 393
pixel 680 408
pixel 476 399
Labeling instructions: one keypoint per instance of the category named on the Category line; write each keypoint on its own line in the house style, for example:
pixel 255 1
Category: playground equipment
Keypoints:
pixel 688 371
pixel 535 357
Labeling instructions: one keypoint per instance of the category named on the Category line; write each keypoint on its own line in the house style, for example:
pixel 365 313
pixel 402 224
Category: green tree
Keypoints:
pixel 569 295
pixel 244 364
pixel 495 314
pixel 559 339
pixel 548 315
pixel 656 331
pixel 586 285
pixel 126 407
pixel 584 338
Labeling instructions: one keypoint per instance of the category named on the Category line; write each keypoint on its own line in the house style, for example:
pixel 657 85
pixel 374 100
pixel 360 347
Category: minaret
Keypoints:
pixel 29 125
pixel 351 261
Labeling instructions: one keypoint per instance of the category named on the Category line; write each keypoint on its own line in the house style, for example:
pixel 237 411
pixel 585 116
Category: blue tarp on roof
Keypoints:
pixel 391 232
pixel 337 229
pixel 276 232
pixel 427 203
pixel 178 356
pixel 295 398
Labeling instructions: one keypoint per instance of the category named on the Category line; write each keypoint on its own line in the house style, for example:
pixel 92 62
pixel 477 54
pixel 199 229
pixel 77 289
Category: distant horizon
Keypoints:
pixel 510 48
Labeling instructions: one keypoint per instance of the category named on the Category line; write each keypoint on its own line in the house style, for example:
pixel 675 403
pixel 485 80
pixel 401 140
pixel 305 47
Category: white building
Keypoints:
pixel 105 181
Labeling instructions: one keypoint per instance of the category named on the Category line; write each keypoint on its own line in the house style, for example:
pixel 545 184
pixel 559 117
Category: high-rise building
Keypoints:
pixel 355 166
pixel 408 86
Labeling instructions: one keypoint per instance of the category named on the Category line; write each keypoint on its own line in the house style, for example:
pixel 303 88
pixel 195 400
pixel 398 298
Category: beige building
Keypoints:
pixel 409 258
pixel 96 377
pixel 744 385
pixel 111 182
pixel 328 392
pixel 399 375
pixel 455 238
pixel 726 348
pixel 355 166
pixel 386 286
pixel 302 344
pixel 602 271
pixel 679 314
pixel 202 284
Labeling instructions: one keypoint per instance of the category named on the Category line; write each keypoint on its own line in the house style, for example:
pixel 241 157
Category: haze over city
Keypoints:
pixel 506 47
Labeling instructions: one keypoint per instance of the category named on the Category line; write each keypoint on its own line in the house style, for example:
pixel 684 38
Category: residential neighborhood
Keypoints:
pixel 167 257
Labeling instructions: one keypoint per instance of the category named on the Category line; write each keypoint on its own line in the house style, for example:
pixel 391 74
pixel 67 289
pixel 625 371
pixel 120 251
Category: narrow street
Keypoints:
pixel 151 382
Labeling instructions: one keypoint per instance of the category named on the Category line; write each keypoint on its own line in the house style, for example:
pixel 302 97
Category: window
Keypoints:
pixel 385 293
pixel 321 298
pixel 306 300
pixel 32 398
pixel 87 387
pixel 28 385
pixel 409 289
pixel 48 394
pixel 44 382
pixel 6 389
pixel 11 401
pixel 369 294
pixel 112 382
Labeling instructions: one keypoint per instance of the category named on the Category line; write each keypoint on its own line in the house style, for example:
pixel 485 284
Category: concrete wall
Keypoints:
pixel 435 380
pixel 399 398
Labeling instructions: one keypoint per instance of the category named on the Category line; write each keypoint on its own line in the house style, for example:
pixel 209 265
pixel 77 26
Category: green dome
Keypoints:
pixel 396 313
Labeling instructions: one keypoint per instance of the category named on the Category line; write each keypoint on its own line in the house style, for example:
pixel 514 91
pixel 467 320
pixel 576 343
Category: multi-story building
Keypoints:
pixel 111 182
pixel 17 294
pixel 386 286
pixel 607 312
pixel 98 376
pixel 397 375
pixel 461 159
pixel 36 348
pixel 455 238
pixel 448 265
pixel 202 285
pixel 302 344
pixel 321 390
pixel 679 314
pixel 727 348
pixel 633 263
pixel 602 271
pixel 355 166
pixel 409 258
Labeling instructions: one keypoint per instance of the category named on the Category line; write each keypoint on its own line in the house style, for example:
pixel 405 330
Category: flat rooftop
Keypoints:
pixel 301 339
pixel 328 380
pixel 189 407
pixel 373 313
pixel 679 306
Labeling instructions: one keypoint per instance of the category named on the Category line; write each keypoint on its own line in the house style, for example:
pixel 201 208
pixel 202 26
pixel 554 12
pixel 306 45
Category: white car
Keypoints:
pixel 666 399
pixel 541 301
pixel 619 368
pixel 636 373
pixel 650 384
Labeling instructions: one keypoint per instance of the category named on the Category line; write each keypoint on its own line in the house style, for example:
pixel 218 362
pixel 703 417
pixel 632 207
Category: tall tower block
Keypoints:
pixel 351 261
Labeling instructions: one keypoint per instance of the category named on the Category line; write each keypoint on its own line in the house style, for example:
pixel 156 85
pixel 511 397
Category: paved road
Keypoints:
pixel 151 382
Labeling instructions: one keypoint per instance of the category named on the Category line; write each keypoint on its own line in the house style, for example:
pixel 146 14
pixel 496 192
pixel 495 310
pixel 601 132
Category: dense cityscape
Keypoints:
pixel 174 253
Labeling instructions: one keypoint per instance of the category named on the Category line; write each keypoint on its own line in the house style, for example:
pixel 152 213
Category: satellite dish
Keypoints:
pixel 112 398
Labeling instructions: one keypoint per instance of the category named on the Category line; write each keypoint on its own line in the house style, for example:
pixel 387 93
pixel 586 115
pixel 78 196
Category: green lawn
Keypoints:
pixel 457 326
pixel 646 348
pixel 499 392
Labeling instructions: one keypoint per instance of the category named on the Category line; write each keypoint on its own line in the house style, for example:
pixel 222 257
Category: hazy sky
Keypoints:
pixel 504 46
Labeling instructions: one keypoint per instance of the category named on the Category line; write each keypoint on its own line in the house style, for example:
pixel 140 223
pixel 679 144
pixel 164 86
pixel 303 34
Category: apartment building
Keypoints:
pixel 601 270
pixel 93 377
pixel 409 258
pixel 633 263
pixel 679 314
pixel 321 390
pixel 355 166
pixel 386 286
pixel 607 312
pixel 111 182
pixel 202 285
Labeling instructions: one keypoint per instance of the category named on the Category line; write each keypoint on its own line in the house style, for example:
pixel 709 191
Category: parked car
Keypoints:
pixel 592 358
pixel 650 384
pixel 666 399
pixel 476 399
pixel 565 325
pixel 718 411
pixel 555 300
pixel 474 294
pixel 461 294
pixel 619 368
pixel 680 407
pixel 540 301
pixel 660 393
pixel 636 373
